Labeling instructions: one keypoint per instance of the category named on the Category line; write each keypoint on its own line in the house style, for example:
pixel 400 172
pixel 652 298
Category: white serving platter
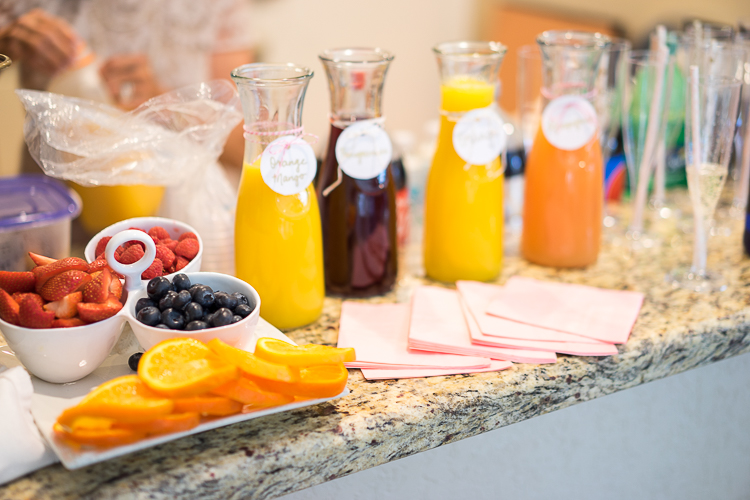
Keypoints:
pixel 49 400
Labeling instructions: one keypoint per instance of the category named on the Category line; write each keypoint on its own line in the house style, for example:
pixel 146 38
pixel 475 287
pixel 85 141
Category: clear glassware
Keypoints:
pixel 356 188
pixel 711 114
pixel 742 138
pixel 564 190
pixel 278 247
pixel 463 220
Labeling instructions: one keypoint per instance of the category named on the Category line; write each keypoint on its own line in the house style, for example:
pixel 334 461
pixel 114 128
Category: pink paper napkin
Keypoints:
pixel 596 313
pixel 380 374
pixel 478 296
pixel 438 324
pixel 379 334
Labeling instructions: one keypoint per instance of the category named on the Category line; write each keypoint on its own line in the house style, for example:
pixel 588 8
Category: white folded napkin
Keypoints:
pixel 22 450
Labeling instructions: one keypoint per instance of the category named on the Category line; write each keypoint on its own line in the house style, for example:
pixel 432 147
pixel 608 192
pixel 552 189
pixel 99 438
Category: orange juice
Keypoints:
pixel 105 205
pixel 562 215
pixel 278 250
pixel 463 236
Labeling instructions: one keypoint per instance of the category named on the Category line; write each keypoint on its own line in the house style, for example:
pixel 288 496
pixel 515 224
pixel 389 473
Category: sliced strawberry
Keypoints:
pixel 132 255
pixel 67 323
pixel 97 265
pixel 159 233
pixel 171 244
pixel 41 260
pixel 188 235
pixel 91 313
pixel 187 248
pixel 180 262
pixel 97 290
pixel 43 273
pixel 102 245
pixel 165 255
pixel 62 284
pixel 66 307
pixel 13 282
pixel 32 315
pixel 18 297
pixel 154 270
pixel 115 288
pixel 8 308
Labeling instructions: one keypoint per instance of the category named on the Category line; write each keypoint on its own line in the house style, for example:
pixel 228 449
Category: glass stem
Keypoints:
pixel 700 249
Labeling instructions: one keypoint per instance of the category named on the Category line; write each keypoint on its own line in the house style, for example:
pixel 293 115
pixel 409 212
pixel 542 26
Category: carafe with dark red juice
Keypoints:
pixel 356 188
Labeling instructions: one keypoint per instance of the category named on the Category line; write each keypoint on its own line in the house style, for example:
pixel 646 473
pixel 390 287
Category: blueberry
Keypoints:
pixel 149 315
pixel 181 282
pixel 197 325
pixel 243 310
pixel 223 299
pixel 181 300
pixel 205 297
pixel 163 326
pixel 193 311
pixel 194 288
pixel 241 299
pixel 173 319
pixel 209 318
pixel 144 302
pixel 157 287
pixel 133 361
pixel 167 301
pixel 236 318
pixel 222 317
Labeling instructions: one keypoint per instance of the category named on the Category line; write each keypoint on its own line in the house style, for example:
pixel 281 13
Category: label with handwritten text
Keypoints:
pixel 569 122
pixel 363 150
pixel 288 165
pixel 479 137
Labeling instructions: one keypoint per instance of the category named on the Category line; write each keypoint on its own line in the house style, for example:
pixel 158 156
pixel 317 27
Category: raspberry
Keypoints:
pixel 187 248
pixel 154 270
pixel 138 229
pixel 159 233
pixel 131 255
pixel 180 262
pixel 102 245
pixel 129 244
pixel 187 235
pixel 171 244
pixel 165 255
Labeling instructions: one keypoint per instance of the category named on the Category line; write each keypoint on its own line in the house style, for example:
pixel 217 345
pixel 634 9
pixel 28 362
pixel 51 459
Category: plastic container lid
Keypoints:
pixel 33 200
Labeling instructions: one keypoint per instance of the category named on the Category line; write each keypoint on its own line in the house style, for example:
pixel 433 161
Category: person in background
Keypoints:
pixel 147 47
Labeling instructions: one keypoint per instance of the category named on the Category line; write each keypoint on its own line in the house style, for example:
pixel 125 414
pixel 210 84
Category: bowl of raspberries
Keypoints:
pixel 179 247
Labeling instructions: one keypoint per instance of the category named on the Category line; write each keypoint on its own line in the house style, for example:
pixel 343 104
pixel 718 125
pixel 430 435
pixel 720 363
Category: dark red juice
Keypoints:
pixel 359 229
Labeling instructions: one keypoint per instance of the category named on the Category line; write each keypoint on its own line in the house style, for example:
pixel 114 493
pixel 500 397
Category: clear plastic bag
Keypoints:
pixel 172 140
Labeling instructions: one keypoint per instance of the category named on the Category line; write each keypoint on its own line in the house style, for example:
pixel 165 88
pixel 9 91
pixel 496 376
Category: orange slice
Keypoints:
pixel 207 405
pixel 184 367
pixel 252 364
pixel 277 351
pixel 125 398
pixel 98 438
pixel 92 424
pixel 179 422
pixel 320 381
pixel 247 392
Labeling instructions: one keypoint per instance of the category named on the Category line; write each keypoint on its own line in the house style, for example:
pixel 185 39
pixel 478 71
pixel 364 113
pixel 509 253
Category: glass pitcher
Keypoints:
pixel 563 199
pixel 278 247
pixel 356 189
pixel 463 220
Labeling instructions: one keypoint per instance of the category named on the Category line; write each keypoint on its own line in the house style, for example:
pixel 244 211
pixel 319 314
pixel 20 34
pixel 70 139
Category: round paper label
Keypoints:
pixel 288 165
pixel 363 150
pixel 569 122
pixel 479 137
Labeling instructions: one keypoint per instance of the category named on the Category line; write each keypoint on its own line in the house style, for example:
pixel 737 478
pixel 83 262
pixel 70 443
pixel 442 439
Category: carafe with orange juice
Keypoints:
pixel 463 220
pixel 562 214
pixel 278 248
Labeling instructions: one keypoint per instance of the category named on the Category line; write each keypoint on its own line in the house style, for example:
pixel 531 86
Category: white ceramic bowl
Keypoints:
pixel 174 228
pixel 236 334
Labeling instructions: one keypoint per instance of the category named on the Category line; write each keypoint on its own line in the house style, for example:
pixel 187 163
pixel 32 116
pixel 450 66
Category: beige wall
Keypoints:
pixel 11 124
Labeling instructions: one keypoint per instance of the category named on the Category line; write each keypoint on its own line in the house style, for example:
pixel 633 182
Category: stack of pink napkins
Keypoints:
pixel 482 327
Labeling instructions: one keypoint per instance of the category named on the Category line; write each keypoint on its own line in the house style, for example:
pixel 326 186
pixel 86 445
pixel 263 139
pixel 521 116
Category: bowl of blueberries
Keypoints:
pixel 202 306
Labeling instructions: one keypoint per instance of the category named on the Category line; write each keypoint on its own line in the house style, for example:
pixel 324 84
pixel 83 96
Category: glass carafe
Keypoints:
pixel 463 220
pixel 562 216
pixel 278 246
pixel 356 189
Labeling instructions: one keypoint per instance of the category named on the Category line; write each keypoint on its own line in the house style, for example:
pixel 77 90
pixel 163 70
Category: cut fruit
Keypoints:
pixel 252 364
pixel 18 297
pixel 67 323
pixel 214 406
pixel 247 392
pixel 13 282
pixel 126 399
pixel 321 381
pixel 184 367
pixel 115 288
pixel 8 308
pixel 97 290
pixel 91 313
pixel 278 351
pixel 32 315
pixel 179 422
pixel 98 438
pixel 44 273
pixel 67 307
pixel 41 260
pixel 63 284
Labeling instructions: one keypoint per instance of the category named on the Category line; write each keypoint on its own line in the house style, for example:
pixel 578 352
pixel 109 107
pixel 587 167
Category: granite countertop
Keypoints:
pixel 382 421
